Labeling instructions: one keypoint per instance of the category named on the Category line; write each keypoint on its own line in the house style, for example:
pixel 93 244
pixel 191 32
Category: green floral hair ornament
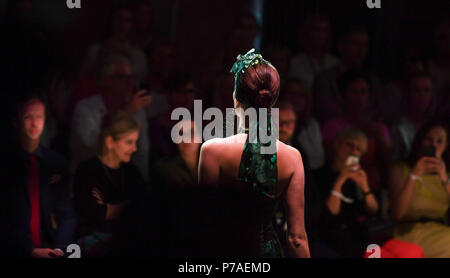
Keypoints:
pixel 245 61
pixel 240 66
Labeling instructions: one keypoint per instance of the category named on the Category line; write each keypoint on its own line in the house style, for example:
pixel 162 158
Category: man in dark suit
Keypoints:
pixel 40 215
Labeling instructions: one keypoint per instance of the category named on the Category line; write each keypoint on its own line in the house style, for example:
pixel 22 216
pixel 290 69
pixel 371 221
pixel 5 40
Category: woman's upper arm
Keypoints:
pixel 295 199
pixel 208 169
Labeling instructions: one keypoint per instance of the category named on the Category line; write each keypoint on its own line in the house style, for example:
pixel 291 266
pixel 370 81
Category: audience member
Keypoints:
pixel 418 109
pixel 181 92
pixel 353 46
pixel 118 42
pixel 117 94
pixel 105 184
pixel 279 56
pixel 287 135
pixel 315 40
pixel 439 66
pixel 41 214
pixel 420 192
pixel 308 134
pixel 346 194
pixel 176 181
pixel 161 67
pixel 356 89
pixel 412 62
pixel 142 32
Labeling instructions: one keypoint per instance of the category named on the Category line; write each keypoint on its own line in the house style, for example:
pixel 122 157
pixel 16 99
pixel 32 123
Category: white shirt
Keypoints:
pixel 305 68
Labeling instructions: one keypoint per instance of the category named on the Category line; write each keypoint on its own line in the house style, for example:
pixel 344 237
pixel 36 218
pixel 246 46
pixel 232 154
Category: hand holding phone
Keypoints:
pixel 352 160
pixel 428 151
pixel 138 102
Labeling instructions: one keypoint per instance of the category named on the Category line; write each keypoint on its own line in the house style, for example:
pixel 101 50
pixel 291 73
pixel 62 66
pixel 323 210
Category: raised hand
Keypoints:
pixel 139 101
pixel 427 165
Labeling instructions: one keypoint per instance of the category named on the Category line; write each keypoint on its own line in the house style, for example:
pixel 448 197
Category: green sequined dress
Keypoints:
pixel 260 172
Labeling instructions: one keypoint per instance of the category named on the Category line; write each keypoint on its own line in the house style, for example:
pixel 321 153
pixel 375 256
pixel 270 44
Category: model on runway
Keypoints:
pixel 251 184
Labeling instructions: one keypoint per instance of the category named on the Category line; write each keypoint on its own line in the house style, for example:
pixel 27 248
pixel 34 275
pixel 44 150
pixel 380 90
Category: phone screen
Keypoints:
pixel 352 160
pixel 429 151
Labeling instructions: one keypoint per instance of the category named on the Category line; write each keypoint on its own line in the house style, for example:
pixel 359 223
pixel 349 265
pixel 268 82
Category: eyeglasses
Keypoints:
pixel 353 145
pixel 123 77
pixel 287 123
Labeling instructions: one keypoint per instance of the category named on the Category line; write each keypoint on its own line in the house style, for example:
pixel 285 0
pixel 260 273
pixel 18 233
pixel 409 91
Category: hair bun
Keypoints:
pixel 264 99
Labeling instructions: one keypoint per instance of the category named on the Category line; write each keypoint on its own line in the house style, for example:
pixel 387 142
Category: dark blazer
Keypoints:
pixel 58 219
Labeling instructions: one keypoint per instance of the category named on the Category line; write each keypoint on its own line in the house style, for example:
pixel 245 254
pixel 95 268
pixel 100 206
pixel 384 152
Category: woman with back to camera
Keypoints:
pixel 251 184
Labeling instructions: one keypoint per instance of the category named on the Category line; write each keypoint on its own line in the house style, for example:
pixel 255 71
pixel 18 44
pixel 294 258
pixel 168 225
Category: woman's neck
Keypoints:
pixel 110 160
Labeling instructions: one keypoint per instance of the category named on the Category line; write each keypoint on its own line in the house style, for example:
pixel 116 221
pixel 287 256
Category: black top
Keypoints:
pixel 115 185
pixel 346 231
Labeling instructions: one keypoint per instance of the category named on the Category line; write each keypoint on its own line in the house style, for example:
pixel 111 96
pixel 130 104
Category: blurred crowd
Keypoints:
pixel 90 159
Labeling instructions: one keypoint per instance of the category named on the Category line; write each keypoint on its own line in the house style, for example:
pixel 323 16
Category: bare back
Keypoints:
pixel 219 168
pixel 227 157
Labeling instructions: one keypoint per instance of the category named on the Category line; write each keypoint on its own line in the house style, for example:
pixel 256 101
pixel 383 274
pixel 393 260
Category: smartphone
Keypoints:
pixel 352 160
pixel 428 151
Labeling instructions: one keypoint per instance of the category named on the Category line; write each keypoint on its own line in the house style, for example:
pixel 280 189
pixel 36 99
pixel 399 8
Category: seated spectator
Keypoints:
pixel 221 97
pixel 353 48
pixel 41 214
pixel 161 63
pixel 177 179
pixel 117 94
pixel 287 135
pixel 279 56
pixel 439 66
pixel 356 90
pixel 307 130
pixel 88 84
pixel 418 109
pixel 142 31
pixel 56 130
pixel 104 185
pixel 412 62
pixel 420 192
pixel 180 169
pixel 346 196
pixel 245 28
pixel 180 92
pixel 315 39
pixel 117 40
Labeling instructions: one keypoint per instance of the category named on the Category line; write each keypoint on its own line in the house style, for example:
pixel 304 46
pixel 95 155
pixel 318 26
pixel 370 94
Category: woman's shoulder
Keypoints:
pixel 288 154
pixel 221 144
